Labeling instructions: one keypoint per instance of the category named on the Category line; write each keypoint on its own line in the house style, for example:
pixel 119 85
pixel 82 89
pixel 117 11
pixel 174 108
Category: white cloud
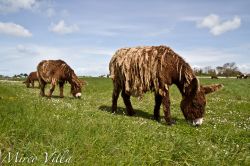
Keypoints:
pixel 7 6
pixel 226 26
pixel 209 21
pixel 14 30
pixel 62 28
pixel 216 26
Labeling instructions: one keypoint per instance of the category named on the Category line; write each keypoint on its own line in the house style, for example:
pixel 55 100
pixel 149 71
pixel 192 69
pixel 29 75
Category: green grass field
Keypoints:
pixel 85 132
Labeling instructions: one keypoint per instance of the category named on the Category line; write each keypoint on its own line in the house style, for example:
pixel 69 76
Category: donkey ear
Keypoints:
pixel 212 88
pixel 194 86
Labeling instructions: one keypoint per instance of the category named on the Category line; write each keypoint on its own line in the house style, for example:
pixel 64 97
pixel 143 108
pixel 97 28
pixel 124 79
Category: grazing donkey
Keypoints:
pixel 214 77
pixel 31 79
pixel 58 72
pixel 242 76
pixel 135 71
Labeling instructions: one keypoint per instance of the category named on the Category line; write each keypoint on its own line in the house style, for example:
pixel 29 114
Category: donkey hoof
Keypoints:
pixel 158 119
pixel 42 94
pixel 171 122
pixel 131 113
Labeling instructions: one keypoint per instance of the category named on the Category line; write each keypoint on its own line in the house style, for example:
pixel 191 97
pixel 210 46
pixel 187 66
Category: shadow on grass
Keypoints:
pixel 122 111
pixel 138 113
pixel 35 87
pixel 58 97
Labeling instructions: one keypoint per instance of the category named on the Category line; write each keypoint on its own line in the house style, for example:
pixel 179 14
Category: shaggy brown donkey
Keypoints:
pixel 214 77
pixel 242 76
pixel 135 71
pixel 58 72
pixel 31 79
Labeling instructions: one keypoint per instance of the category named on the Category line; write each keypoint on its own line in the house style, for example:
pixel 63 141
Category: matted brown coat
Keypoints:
pixel 58 72
pixel 32 77
pixel 137 70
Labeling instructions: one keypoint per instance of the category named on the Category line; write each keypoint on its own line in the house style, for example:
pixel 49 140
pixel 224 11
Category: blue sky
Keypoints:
pixel 86 33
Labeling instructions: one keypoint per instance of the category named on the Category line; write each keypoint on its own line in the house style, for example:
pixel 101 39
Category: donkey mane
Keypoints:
pixel 75 82
pixel 71 76
pixel 186 75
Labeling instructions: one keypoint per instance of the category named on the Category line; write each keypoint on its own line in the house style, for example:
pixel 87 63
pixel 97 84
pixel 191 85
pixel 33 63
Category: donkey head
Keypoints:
pixel 76 87
pixel 193 104
pixel 27 83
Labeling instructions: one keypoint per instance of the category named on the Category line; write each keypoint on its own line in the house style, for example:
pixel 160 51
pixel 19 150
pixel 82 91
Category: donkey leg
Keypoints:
pixel 158 100
pixel 116 93
pixel 52 88
pixel 42 87
pixel 61 88
pixel 166 108
pixel 32 83
pixel 127 102
pixel 28 84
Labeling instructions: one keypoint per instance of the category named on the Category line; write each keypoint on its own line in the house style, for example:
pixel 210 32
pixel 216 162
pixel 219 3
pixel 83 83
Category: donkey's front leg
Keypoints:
pixel 33 83
pixel 52 88
pixel 127 102
pixel 166 108
pixel 42 87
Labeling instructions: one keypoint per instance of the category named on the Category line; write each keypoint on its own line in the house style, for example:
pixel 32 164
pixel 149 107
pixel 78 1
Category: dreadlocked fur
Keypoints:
pixel 141 69
pixel 57 72
pixel 137 70
pixel 31 79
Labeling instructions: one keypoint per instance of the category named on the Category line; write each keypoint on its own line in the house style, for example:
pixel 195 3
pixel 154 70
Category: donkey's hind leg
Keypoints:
pixel 158 100
pixel 42 87
pixel 166 109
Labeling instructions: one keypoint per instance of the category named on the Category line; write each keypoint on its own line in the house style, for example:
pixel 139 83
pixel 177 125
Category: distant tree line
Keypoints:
pixel 228 69
pixel 16 76
pixel 22 75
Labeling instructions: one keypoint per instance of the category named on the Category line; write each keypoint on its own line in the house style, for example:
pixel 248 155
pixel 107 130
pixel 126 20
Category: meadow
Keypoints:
pixel 41 131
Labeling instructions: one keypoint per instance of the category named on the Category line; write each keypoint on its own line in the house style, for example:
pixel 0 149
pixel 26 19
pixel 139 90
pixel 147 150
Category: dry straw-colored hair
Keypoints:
pixel 140 69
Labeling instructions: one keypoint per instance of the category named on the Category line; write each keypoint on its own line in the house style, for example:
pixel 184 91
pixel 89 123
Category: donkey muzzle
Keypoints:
pixel 197 122
pixel 78 95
